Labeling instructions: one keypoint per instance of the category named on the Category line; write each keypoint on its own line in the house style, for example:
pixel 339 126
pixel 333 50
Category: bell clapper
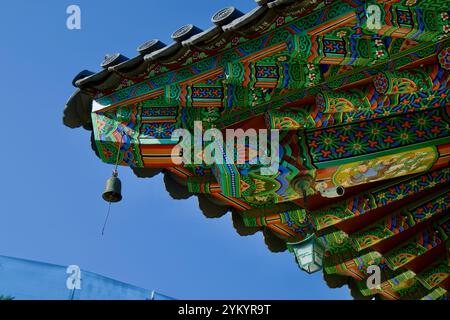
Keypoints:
pixel 106 220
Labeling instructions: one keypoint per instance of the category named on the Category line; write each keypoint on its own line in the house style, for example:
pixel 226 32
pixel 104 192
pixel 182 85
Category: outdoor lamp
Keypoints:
pixel 309 254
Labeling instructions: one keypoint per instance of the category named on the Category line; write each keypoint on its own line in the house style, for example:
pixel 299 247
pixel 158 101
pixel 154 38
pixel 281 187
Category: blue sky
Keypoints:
pixel 51 208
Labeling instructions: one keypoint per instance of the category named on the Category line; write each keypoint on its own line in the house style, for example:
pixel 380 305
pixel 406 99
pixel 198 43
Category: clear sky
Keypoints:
pixel 51 182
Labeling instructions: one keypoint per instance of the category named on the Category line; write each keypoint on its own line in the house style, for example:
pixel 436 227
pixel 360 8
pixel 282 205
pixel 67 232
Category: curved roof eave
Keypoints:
pixel 115 67
pixel 238 23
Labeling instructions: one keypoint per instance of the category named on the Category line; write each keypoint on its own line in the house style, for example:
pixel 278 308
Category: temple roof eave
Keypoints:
pixel 78 108
pixel 239 24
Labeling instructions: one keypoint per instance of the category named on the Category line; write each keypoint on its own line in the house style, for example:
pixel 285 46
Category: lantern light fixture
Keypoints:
pixel 309 253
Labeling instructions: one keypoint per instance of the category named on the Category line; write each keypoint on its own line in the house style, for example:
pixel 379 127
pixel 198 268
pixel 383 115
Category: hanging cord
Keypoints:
pixel 118 154
pixel 115 174
pixel 106 220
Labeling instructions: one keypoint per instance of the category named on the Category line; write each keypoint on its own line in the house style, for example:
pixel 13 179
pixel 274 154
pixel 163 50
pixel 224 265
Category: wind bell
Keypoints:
pixel 113 188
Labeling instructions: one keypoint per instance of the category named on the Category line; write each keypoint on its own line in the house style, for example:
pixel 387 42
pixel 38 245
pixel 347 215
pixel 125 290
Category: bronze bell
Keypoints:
pixel 113 189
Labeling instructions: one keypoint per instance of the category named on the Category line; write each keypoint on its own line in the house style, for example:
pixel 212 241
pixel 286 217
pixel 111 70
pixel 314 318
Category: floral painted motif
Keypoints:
pixel 157 130
pixel 444 58
pixel 368 137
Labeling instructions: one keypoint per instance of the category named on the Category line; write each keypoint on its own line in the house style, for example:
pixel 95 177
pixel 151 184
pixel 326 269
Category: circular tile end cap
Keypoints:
pixel 225 16
pixel 83 74
pixel 112 60
pixel 185 32
pixel 150 46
